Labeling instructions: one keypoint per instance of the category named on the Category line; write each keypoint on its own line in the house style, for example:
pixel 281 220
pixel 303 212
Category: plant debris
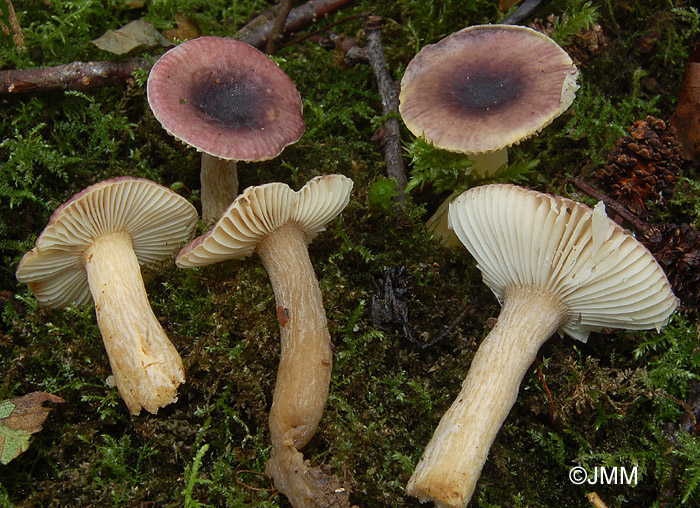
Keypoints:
pixel 677 249
pixel 389 305
pixel 686 118
pixel 643 167
pixel 19 419
pixel 82 122
pixel 136 34
pixel 583 45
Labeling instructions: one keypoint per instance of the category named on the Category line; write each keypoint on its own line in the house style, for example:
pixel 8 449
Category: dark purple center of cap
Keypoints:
pixel 483 91
pixel 234 102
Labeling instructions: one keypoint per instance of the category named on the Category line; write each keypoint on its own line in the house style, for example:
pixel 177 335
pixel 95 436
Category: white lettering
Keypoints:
pixel 604 476
pixel 608 476
pixel 628 480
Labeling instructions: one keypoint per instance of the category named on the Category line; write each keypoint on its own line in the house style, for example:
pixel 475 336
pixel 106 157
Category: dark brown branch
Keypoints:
pixel 619 209
pixel 298 18
pixel 72 76
pixel 450 328
pixel 283 8
pixel 85 75
pixel 352 52
pixel 390 103
pixel 524 11
pixel 330 33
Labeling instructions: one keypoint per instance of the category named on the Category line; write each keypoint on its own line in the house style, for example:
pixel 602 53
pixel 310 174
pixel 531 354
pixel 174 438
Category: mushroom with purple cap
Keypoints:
pixel 277 224
pixel 481 90
pixel 555 265
pixel 230 102
pixel 92 249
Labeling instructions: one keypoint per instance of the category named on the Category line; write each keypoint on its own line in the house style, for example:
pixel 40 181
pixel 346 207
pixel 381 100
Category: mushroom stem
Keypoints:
pixel 305 365
pixel 219 178
pixel 485 165
pixel 451 463
pixel 145 364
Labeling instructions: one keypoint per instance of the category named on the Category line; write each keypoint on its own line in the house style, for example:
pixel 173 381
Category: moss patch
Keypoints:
pixel 622 399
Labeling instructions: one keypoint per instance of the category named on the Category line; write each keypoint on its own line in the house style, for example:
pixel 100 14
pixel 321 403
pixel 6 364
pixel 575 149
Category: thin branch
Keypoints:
pixel 72 76
pixel 553 418
pixel 447 331
pixel 283 8
pixel 390 104
pixel 524 11
pixel 352 52
pixel 298 18
pixel 85 75
pixel 618 208
pixel 311 35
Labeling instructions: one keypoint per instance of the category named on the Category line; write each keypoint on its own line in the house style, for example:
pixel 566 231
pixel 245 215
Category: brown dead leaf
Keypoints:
pixel 136 34
pixel 185 30
pixel 19 419
pixel 686 118
pixel 504 5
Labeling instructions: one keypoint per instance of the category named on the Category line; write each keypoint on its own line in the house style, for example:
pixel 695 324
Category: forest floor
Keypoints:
pixel 623 399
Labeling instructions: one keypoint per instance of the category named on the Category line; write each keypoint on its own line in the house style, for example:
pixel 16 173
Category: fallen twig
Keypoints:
pixel 85 75
pixel 595 500
pixel 352 52
pixel 447 331
pixel 524 11
pixel 283 8
pixel 298 17
pixel 553 418
pixel 329 34
pixel 72 76
pixel 390 104
pixel 619 209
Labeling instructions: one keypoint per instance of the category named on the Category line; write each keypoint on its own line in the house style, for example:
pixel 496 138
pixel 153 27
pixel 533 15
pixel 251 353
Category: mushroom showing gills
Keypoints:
pixel 229 101
pixel 92 248
pixel 481 90
pixel 555 265
pixel 278 223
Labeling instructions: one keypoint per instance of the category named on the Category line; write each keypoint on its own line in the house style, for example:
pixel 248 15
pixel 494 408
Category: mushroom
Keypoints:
pixel 92 248
pixel 229 101
pixel 481 90
pixel 555 265
pixel 278 223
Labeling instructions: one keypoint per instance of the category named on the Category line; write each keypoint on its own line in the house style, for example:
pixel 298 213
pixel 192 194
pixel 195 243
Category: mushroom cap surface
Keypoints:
pixel 260 210
pixel 225 98
pixel 602 274
pixel 486 87
pixel 157 220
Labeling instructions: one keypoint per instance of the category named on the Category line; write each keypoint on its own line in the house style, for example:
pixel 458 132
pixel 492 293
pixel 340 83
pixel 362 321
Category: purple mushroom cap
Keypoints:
pixel 225 98
pixel 486 87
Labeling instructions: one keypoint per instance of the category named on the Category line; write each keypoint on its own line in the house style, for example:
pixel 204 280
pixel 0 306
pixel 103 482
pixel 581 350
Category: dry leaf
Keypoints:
pixel 19 419
pixel 504 5
pixel 184 31
pixel 686 118
pixel 137 34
